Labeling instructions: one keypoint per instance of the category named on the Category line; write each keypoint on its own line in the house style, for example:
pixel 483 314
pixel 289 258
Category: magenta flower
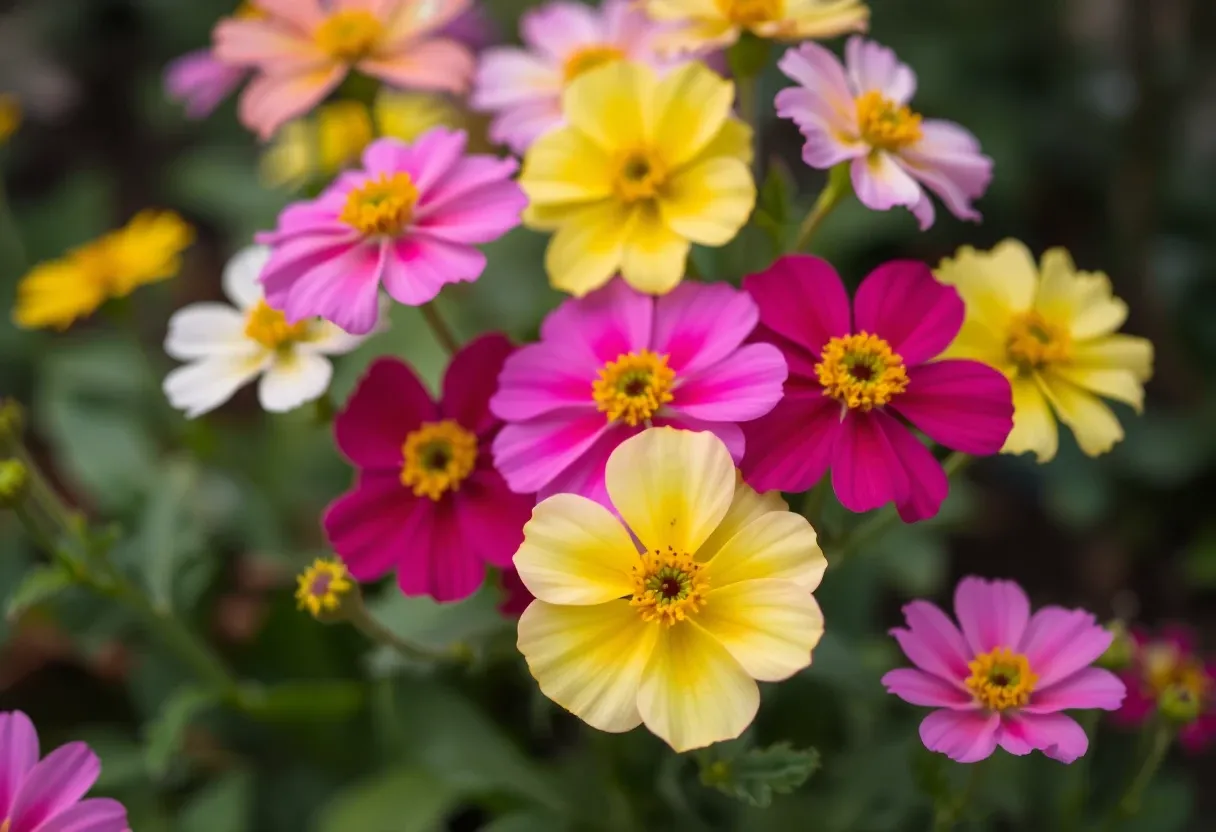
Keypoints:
pixel 1006 678
pixel 855 378
pixel 201 82
pixel 615 361
pixel 409 219
pixel 45 795
pixel 426 502
pixel 858 113
pixel 1168 676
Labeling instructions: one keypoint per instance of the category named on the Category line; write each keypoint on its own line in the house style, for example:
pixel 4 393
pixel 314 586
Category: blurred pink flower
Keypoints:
pixel 201 82
pixel 1168 675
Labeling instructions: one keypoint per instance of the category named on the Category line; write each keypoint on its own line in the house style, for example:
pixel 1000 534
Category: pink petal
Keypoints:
pixel 1056 735
pixel 343 288
pixel 919 688
pixel 964 405
pixel 477 202
pixel 270 101
pixel 730 433
pixel 18 754
pixel 803 299
pixel 1092 687
pixel 1138 707
pixel 54 784
pixel 791 448
pixel 992 614
pixel 866 472
pixel 697 324
pixel 558 29
pixel 538 379
pixel 420 265
pixel 470 381
pixel 531 454
pixel 491 517
pixel 388 403
pixel 948 162
pixel 933 643
pixel 927 482
pixel 881 183
pixel 427 160
pixel 374 526
pixel 822 101
pixel 200 82
pixel 903 303
pixel 441 564
pixel 508 77
pixel 743 386
pixel 585 476
pixel 98 814
pixel 872 66
pixel 305 15
pixel 318 217
pixel 1196 737
pixel 822 149
pixel 963 736
pixel 518 127
pixel 1060 642
pixel 439 64
pixel 267 45
pixel 293 256
pixel 601 326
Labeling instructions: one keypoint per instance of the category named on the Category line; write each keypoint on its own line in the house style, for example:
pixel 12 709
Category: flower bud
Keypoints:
pixel 1122 650
pixel 12 421
pixel 14 477
pixel 1180 704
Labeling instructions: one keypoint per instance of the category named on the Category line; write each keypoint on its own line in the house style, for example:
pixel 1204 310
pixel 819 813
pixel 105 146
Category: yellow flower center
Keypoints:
pixel 640 175
pixel 750 12
pixel 589 58
pixel 886 125
pixel 439 456
pixel 350 35
pixel 668 586
pixel 860 371
pixel 320 587
pixel 1034 342
pixel 1001 679
pixel 383 207
pixel 633 387
pixel 269 327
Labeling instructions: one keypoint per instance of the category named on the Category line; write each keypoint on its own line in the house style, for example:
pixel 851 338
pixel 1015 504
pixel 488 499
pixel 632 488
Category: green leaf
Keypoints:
pixel 171 533
pixel 336 699
pixel 167 732
pixel 754 775
pixel 224 804
pixel 42 583
pixel 425 622
pixel 404 800
pixel 774 208
pixel 525 822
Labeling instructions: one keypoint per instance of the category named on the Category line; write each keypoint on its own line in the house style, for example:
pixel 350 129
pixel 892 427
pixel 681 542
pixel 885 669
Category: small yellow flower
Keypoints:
pixel 1053 331
pixel 10 116
pixel 713 24
pixel 674 635
pixel 322 586
pixel 643 168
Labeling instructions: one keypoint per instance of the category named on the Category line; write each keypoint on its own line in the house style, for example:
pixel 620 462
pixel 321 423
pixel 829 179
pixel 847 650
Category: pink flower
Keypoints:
pixel 615 361
pixel 201 82
pixel 1004 679
pixel 426 502
pixel 859 114
pixel 523 87
pixel 515 595
pixel 1168 676
pixel 302 50
pixel 409 219
pixel 45 796
pixel 855 377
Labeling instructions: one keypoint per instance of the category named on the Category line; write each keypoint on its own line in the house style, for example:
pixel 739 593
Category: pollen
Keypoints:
pixel 1001 679
pixel 668 586
pixel 321 587
pixel 269 328
pixel 381 207
pixel 640 175
pixel 438 457
pixel 750 12
pixel 634 387
pixel 588 58
pixel 350 35
pixel 886 125
pixel 1035 342
pixel 861 371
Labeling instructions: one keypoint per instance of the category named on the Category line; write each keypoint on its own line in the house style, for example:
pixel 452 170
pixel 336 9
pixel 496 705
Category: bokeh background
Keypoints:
pixel 1101 115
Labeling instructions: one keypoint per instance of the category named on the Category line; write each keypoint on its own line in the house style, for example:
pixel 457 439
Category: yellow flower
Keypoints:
pixel 676 635
pixel 10 116
pixel 642 169
pixel 147 249
pixel 322 586
pixel 713 24
pixel 1052 331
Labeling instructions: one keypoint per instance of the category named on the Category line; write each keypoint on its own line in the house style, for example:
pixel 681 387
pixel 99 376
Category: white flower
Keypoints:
pixel 227 347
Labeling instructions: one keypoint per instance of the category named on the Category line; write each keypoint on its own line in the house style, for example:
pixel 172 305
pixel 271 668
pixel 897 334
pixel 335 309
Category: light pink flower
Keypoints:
pixel 410 219
pixel 615 361
pixel 201 82
pixel 303 49
pixel 1006 678
pixel 858 113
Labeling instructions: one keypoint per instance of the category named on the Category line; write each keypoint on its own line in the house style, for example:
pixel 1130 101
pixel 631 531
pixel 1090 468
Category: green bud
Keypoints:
pixel 1180 704
pixel 1122 650
pixel 14 477
pixel 12 420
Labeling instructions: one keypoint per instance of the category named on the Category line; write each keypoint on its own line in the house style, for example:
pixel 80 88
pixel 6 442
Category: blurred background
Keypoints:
pixel 1101 116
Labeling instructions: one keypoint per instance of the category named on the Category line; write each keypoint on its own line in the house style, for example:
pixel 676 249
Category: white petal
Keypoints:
pixel 293 379
pixel 207 330
pixel 241 275
pixel 205 385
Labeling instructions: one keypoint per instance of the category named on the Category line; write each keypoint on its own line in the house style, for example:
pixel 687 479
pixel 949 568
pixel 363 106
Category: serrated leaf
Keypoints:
pixel 756 774
pixel 166 733
pixel 40 584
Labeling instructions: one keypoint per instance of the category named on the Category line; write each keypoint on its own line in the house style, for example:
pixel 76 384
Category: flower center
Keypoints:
pixel 886 125
pixel 320 587
pixel 439 456
pixel 633 387
pixel 1001 679
pixel 640 175
pixel 750 12
pixel 668 586
pixel 860 371
pixel 382 207
pixel 269 327
pixel 350 35
pixel 1034 342
pixel 589 58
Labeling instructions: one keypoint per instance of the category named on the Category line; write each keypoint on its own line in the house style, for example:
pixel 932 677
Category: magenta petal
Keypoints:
pixel 963 736
pixel 417 266
pixel 18 754
pixel 585 476
pixel 697 325
pixel 964 405
pixel 1056 735
pixel 343 289
pixel 368 525
pixel 515 596
pixel 730 433
pixel 98 814
pixel 491 517
pixel 904 304
pixel 601 326
pixel 743 386
pixel 932 642
pixel 1059 642
pixel 54 784
pixel 927 482
pixel 866 473
pixel 454 570
pixel 1139 706
pixel 1092 687
pixel 803 299
pixel 470 381
pixel 992 614
pixel 1200 734
pixel 387 404
pixel 531 454
pixel 541 378
pixel 791 448
pixel 919 688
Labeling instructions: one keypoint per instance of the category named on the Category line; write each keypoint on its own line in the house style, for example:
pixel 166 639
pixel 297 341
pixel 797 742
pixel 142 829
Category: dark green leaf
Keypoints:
pixel 755 775
pixel 404 800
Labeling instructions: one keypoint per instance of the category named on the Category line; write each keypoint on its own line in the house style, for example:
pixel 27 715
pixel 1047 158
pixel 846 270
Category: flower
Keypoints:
pixel 146 250
pixel 708 24
pixel 301 50
pixel 1052 331
pixel 427 501
pixel 10 116
pixel 852 378
pixel 1168 676
pixel 515 597
pixel 564 40
pixel 615 362
pixel 859 114
pixel 201 82
pixel 642 169
pixel 321 587
pixel 1006 678
pixel 672 635
pixel 410 218
pixel 45 795
pixel 227 347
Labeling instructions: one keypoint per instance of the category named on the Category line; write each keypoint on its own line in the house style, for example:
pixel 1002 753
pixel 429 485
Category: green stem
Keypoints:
pixel 949 813
pixel 749 109
pixel 443 333
pixel 1129 805
pixel 362 620
pixel 837 188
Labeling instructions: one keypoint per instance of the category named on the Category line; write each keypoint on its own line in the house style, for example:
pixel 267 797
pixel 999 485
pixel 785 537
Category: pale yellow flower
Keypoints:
pixel 712 24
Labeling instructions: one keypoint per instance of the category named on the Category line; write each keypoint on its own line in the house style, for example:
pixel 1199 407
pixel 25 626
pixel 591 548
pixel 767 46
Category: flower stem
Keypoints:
pixel 1129 804
pixel 837 188
pixel 443 333
pixel 948 813
pixel 364 622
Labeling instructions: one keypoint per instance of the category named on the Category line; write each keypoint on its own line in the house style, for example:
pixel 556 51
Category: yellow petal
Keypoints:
pixel 817 19
pixel 746 506
pixel 1084 301
pixel 148 249
pixel 691 105
pixel 693 692
pixel 779 545
pixel 1096 427
pixel 1119 385
pixel 565 166
pixel 733 140
pixel 655 257
pixel 56 293
pixel 588 249
pixel 770 627
pixel 1034 425
pixel 672 487
pixel 589 660
pixel 709 202
pixel 994 284
pixel 575 552
pixel 611 105
pixel 1116 352
pixel 675 10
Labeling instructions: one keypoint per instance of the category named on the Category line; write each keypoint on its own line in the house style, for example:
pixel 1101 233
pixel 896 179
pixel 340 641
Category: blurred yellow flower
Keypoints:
pixel 712 24
pixel 321 587
pixel 643 168
pixel 675 635
pixel 10 116
pixel 1052 331
pixel 147 249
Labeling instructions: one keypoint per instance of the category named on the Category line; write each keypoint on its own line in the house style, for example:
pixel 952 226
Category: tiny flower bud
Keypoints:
pixel 1122 650
pixel 13 480
pixel 325 589
pixel 1179 703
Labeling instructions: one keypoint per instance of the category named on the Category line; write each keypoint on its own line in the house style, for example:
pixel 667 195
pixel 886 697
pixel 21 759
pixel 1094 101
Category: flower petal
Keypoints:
pixel 933 643
pixel 531 454
pixel 491 517
pixel 18 754
pixel 746 505
pixel 203 386
pixel 874 67
pixel 374 527
pixel 589 247
pixel 963 736
pixel 53 785
pixel 770 627
pixel 965 405
pixel 541 378
pixel 994 285
pixel 1114 366
pixel 744 386
pixel 803 299
pixel 242 275
pixel 293 379
pixel 654 257
pixel 791 448
pixel 881 182
pixel 691 104
pixel 1060 642
pixel 866 471
pixel 948 162
pixel 97 814
pixel 612 105
pixel 991 613
pixel 208 330
pixel 1092 687
pixel 447 567
pixel 417 267
pixel 1084 301
pixel 270 101
pixel 778 545
pixel 1034 423
pixel 1056 735
pixel 342 287
pixel 436 64
pixel 471 379
pixel 709 201
pixel 1093 423
pixel 389 402
pixel 565 166
pixel 903 304
pixel 823 101
pixel 697 325
pixel 927 481
pixel 919 688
